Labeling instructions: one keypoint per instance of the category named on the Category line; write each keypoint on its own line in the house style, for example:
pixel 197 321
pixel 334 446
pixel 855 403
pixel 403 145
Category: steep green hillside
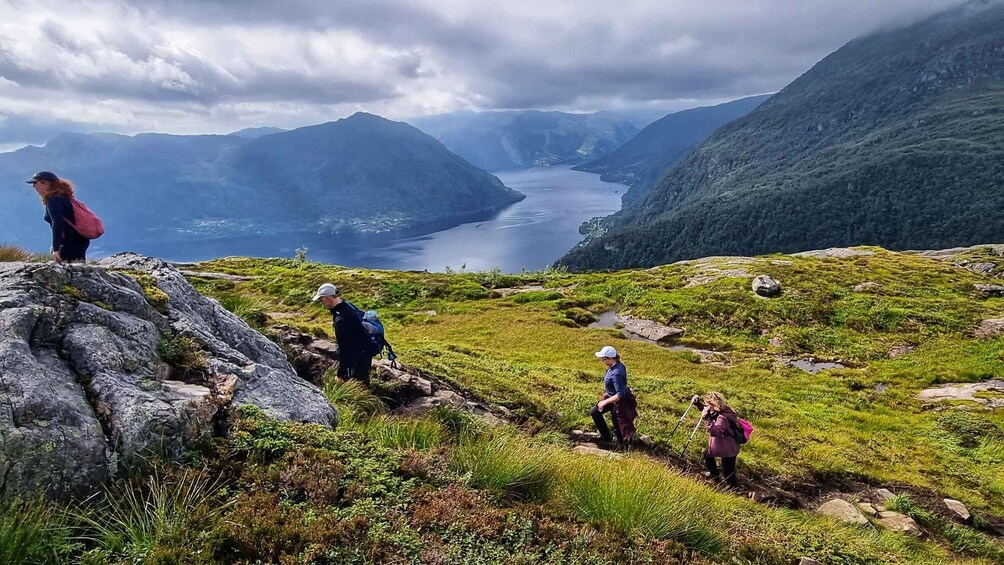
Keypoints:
pixel 498 141
pixel 896 139
pixel 639 162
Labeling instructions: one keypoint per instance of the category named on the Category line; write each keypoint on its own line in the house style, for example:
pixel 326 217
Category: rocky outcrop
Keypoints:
pixel 965 392
pixel 835 253
pixel 990 290
pixel 766 287
pixel 97 369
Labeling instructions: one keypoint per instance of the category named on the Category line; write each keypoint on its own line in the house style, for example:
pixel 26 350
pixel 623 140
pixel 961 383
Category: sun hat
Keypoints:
pixel 326 289
pixel 607 351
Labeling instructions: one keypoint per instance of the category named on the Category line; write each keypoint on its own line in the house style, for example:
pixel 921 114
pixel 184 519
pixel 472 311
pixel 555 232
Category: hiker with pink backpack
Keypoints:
pixel 726 434
pixel 73 224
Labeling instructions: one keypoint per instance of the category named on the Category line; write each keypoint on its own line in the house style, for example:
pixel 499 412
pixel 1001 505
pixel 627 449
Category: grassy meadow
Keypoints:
pixel 444 488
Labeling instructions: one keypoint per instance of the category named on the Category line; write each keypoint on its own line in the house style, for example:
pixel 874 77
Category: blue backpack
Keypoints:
pixel 374 330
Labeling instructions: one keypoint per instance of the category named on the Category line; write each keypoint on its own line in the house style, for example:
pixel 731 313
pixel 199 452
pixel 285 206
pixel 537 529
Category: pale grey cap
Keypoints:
pixel 326 289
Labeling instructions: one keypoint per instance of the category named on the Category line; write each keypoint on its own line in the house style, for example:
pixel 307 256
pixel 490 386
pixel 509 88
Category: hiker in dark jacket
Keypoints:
pixel 67 243
pixel 721 420
pixel 355 353
pixel 617 399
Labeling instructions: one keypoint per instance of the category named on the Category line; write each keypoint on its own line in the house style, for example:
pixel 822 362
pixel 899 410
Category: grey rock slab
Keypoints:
pixel 989 328
pixel 842 510
pixel 966 392
pixel 649 329
pixel 765 286
pixel 867 286
pixel 867 508
pixel 990 290
pixel 595 451
pixel 835 253
pixel 980 268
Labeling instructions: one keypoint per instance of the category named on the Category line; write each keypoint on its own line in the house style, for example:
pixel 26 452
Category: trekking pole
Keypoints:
pixel 692 434
pixel 672 433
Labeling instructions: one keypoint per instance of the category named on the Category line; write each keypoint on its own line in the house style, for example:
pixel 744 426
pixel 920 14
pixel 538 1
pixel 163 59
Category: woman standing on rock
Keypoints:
pixel 67 243
pixel 617 399
pixel 721 423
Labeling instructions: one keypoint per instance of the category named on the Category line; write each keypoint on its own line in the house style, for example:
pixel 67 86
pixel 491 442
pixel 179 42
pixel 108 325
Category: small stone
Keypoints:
pixel 901 350
pixel 843 511
pixel 867 508
pixel 958 509
pixel 896 522
pixel 884 495
pixel 647 441
pixel 765 286
pixel 808 561
pixel 775 342
pixel 866 286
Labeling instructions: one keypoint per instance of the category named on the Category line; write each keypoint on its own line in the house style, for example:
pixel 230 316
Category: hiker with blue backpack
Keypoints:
pixel 724 429
pixel 359 334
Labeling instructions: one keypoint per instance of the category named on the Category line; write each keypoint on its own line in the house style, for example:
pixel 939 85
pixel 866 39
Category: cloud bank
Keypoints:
pixel 213 66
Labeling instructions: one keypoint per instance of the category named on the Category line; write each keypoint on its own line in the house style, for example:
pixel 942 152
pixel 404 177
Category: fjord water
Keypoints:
pixel 530 234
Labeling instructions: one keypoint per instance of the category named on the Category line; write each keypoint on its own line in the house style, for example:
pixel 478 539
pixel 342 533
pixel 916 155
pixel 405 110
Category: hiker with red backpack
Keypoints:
pixel 724 429
pixel 73 224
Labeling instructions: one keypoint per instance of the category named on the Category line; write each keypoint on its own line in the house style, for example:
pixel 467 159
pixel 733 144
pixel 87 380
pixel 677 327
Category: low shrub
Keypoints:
pixel 181 353
pixel 401 433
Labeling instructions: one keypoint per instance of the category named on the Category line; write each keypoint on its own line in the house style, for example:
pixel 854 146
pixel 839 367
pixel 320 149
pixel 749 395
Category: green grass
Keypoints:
pixel 507 464
pixel 33 531
pixel 128 522
pixel 527 352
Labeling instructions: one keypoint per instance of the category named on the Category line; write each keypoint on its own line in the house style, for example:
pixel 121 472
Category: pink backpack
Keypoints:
pixel 87 223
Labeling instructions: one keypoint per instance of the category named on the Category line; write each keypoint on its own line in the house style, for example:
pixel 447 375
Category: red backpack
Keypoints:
pixel 87 223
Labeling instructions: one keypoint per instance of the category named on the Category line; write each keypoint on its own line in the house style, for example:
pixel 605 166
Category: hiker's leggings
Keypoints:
pixel 728 467
pixel 360 370
pixel 601 424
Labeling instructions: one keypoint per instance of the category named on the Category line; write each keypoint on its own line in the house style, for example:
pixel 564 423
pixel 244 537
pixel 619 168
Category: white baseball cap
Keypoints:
pixel 607 351
pixel 326 289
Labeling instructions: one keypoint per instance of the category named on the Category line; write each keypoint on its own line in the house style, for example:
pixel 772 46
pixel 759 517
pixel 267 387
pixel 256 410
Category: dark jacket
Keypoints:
pixel 615 383
pixel 65 239
pixel 353 342
pixel 721 441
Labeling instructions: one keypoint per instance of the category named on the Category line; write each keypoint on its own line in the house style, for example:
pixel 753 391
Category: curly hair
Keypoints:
pixel 60 188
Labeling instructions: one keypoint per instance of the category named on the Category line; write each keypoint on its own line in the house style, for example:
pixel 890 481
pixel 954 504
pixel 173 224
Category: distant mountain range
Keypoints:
pixel 362 174
pixel 497 141
pixel 896 139
pixel 639 162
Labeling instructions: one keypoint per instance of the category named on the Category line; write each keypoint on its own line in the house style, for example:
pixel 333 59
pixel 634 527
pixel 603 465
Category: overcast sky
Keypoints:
pixel 214 66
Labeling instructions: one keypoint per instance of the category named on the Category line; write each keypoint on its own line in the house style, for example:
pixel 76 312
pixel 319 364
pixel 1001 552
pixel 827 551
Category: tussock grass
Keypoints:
pixel 249 309
pixel 129 521
pixel 352 399
pixel 399 433
pixel 33 531
pixel 637 498
pixel 508 464
pixel 13 253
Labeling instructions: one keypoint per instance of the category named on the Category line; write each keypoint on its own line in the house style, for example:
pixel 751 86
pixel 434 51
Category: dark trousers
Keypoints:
pixel 601 424
pixel 728 467
pixel 360 370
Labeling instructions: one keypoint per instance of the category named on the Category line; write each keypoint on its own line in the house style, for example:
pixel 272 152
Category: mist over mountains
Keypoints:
pixel 362 174
pixel 639 162
pixel 497 141
pixel 896 139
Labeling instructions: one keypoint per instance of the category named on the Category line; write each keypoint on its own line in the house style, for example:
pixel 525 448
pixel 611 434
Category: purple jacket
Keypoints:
pixel 721 442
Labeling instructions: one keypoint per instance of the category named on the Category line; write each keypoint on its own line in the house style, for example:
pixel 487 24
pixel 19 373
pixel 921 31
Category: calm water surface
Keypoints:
pixel 530 234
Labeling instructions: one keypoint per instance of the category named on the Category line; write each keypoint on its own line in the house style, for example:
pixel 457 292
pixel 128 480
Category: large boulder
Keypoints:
pixel 90 377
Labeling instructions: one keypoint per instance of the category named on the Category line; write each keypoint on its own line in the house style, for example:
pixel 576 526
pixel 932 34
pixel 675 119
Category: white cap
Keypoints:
pixel 607 351
pixel 326 289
